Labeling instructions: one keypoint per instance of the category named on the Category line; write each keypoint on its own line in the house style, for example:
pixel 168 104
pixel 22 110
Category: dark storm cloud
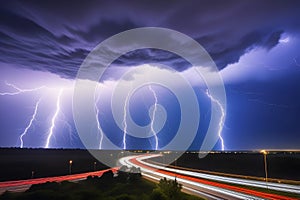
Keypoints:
pixel 56 36
pixel 153 56
pixel 231 54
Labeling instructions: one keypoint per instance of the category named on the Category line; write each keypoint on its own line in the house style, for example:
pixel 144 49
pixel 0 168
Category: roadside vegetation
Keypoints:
pixel 127 185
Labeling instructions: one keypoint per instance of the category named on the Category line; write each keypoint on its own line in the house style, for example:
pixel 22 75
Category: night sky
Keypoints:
pixel 255 45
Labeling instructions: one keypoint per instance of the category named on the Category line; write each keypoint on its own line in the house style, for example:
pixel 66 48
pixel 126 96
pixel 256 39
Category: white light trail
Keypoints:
pixel 125 122
pixel 30 123
pixel 50 132
pixel 240 181
pixel 19 90
pixel 222 119
pixel 153 117
pixel 146 171
pixel 203 194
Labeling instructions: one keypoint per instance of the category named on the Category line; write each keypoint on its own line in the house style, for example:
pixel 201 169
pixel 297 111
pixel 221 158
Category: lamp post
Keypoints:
pixel 70 166
pixel 95 166
pixel 264 152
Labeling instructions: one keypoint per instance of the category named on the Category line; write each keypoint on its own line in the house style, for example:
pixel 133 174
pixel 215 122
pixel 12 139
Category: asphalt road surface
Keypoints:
pixel 206 185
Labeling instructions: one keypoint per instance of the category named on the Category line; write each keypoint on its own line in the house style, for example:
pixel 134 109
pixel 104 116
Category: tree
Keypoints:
pixel 172 189
pixel 158 195
pixel 107 176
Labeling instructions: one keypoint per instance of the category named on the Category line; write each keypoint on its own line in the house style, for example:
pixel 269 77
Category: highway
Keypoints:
pixel 22 185
pixel 197 183
pixel 254 183
pixel 205 185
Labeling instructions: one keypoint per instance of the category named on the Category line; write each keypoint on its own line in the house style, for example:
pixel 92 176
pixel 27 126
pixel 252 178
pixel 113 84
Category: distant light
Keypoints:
pixel 263 152
pixel 284 40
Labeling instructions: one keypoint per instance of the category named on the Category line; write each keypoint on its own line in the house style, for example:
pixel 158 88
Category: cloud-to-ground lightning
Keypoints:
pixel 30 123
pixel 125 122
pixel 98 123
pixel 50 132
pixel 19 90
pixel 67 124
pixel 222 118
pixel 99 127
pixel 153 117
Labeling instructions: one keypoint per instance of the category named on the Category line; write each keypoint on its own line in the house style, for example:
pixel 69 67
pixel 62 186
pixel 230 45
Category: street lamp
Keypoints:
pixel 264 152
pixel 70 166
pixel 95 166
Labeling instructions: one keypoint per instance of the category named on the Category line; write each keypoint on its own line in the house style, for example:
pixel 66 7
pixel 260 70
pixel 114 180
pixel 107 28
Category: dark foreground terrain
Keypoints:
pixel 16 164
pixel 125 186
pixel 280 165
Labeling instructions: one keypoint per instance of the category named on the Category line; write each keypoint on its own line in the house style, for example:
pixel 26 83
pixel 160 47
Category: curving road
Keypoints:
pixel 201 184
pixel 205 184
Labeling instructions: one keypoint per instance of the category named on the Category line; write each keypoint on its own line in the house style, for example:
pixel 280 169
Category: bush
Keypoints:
pixel 125 197
pixel 95 188
pixel 45 186
pixel 158 195
pixel 126 174
pixel 172 189
pixel 107 176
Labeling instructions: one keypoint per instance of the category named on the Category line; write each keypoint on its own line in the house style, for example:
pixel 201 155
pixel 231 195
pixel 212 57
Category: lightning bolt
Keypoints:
pixel 71 136
pixel 30 123
pixel 297 64
pixel 98 124
pixel 50 132
pixel 99 128
pixel 222 118
pixel 125 122
pixel 68 125
pixel 153 117
pixel 19 90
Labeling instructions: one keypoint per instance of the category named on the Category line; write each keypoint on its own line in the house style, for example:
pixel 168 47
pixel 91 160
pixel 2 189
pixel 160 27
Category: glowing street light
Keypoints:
pixel 95 163
pixel 264 152
pixel 70 166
